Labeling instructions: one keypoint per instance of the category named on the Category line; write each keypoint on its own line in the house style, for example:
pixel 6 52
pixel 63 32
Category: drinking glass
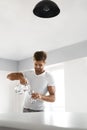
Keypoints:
pixel 20 89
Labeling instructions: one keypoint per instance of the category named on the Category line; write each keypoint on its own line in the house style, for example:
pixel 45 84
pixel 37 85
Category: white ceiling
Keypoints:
pixel 22 33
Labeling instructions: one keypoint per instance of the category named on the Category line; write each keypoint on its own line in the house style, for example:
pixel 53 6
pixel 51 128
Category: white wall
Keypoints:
pixel 76 85
pixel 8 65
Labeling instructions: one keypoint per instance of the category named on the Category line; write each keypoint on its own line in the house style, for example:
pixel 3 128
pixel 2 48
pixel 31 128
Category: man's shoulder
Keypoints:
pixel 48 73
pixel 50 78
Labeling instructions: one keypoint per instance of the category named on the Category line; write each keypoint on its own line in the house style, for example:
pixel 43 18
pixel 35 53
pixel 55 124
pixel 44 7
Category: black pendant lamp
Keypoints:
pixel 46 9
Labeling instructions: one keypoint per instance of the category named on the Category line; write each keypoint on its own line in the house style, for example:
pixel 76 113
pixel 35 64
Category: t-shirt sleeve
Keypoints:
pixel 50 80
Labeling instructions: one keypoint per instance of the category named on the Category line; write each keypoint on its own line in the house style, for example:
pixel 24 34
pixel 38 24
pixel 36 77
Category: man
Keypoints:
pixel 40 81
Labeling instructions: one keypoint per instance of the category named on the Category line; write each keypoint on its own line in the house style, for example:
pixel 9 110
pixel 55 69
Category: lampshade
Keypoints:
pixel 46 9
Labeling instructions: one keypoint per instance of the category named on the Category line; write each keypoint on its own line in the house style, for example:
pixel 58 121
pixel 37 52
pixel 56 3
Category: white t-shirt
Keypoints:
pixel 39 84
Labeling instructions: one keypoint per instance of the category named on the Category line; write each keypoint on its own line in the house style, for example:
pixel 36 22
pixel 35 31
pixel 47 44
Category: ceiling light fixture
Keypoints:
pixel 46 9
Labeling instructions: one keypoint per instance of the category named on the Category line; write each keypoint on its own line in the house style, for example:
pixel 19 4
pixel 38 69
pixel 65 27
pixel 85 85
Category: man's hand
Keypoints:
pixel 36 95
pixel 23 81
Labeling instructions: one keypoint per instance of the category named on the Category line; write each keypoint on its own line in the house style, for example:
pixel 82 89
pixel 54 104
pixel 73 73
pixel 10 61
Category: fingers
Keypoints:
pixel 36 95
pixel 24 82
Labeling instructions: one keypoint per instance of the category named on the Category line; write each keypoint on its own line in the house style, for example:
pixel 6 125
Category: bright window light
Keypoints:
pixel 57 71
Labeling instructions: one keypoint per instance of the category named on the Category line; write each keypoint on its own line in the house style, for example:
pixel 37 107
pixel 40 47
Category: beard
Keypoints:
pixel 39 71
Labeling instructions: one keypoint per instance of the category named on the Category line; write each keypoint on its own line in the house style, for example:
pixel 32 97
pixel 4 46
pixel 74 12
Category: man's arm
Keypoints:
pixel 51 96
pixel 48 98
pixel 17 76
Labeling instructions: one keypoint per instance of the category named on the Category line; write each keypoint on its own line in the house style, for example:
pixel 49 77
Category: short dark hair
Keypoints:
pixel 40 55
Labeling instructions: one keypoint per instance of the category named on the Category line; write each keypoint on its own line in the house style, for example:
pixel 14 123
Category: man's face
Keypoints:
pixel 39 66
